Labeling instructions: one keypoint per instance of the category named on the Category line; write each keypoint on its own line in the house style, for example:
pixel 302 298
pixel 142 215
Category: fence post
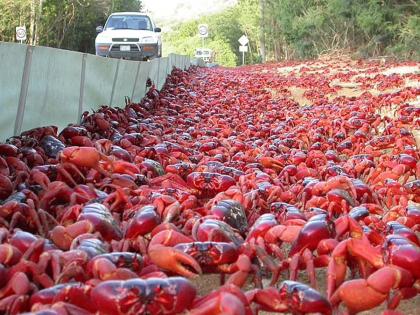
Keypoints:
pixel 23 90
pixel 135 80
pixel 157 76
pixel 82 87
pixel 115 82
pixel 172 63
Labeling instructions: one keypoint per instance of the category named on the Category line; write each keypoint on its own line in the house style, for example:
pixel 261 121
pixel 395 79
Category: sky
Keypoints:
pixel 170 12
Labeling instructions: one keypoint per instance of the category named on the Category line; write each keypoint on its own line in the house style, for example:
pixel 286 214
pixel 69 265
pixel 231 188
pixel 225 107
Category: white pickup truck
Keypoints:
pixel 129 35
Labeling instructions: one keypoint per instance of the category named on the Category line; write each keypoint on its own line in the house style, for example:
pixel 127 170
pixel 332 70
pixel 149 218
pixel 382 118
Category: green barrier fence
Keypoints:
pixel 41 86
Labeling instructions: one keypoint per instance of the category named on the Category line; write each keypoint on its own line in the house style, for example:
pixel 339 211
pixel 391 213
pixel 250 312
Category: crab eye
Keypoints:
pixel 158 288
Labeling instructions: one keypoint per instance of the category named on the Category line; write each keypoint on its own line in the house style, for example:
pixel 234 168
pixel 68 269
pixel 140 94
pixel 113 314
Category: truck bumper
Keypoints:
pixel 136 52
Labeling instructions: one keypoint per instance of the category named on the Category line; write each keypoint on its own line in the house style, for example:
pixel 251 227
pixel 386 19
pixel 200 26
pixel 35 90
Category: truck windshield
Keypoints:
pixel 130 22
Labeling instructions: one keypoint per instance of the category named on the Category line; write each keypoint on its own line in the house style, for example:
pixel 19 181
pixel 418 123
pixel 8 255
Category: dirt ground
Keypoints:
pixel 348 87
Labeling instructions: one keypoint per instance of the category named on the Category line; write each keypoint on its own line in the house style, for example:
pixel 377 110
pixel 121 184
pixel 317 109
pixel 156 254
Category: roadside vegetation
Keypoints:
pixel 302 29
pixel 67 24
pixel 277 29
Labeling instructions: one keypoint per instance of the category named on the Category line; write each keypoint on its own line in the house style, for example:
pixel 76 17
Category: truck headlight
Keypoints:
pixel 148 40
pixel 149 48
pixel 103 48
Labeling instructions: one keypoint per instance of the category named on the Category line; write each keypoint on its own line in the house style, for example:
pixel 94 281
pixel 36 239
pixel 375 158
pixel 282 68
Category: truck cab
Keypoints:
pixel 129 35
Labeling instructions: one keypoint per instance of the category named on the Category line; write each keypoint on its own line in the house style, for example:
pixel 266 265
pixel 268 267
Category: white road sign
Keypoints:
pixel 243 48
pixel 21 33
pixel 203 30
pixel 243 40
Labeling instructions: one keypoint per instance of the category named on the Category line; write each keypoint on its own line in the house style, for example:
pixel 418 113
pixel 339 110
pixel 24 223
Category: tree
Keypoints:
pixel 68 24
pixel 277 29
pixel 225 29
pixel 13 13
pixel 262 34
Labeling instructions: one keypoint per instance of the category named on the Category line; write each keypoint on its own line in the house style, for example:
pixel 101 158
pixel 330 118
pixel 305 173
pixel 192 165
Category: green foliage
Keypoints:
pixel 12 13
pixel 225 28
pixel 67 24
pixel 223 52
pixel 308 28
pixel 282 29
pixel 409 39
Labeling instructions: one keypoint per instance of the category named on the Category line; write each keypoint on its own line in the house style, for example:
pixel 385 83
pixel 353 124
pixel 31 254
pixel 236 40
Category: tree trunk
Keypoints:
pixel 32 23
pixel 37 22
pixel 286 52
pixel 262 36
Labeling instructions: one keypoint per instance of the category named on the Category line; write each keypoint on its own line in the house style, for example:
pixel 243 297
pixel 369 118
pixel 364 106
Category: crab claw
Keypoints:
pixel 228 300
pixel 174 260
pixel 269 162
pixel 291 296
pixel 9 255
pixel 302 298
pixel 244 266
pixel 363 294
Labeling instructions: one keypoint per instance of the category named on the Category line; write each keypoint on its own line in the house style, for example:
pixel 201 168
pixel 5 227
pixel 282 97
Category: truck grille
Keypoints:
pixel 124 39
pixel 117 47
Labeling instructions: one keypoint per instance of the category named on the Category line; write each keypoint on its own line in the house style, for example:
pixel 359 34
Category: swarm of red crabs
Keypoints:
pixel 299 209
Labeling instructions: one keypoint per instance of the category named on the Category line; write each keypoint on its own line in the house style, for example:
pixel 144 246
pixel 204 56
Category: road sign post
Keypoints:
pixel 203 32
pixel 21 33
pixel 243 48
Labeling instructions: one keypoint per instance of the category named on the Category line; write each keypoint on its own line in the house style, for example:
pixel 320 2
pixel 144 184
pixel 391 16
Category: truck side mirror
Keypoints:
pixel 158 30
pixel 99 29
